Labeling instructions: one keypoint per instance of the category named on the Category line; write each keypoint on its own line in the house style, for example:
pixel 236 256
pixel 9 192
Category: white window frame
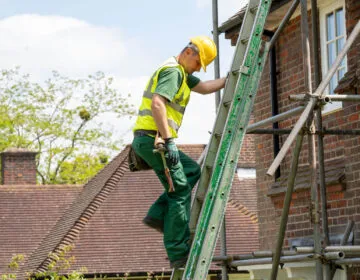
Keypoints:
pixel 325 7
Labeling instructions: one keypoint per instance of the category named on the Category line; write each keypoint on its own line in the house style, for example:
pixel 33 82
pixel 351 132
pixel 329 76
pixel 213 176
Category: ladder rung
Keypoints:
pixel 253 9
pixel 234 74
pixel 200 198
pixel 243 69
pixel 244 40
pixel 209 167
pixel 227 103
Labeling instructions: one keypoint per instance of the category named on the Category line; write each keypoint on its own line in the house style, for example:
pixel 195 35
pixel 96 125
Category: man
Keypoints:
pixel 163 105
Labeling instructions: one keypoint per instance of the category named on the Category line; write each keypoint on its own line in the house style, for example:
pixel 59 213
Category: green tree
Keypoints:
pixel 58 269
pixel 81 168
pixel 13 266
pixel 62 119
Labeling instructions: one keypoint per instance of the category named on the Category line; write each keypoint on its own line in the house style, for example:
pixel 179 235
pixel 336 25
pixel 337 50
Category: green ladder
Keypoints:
pixel 218 171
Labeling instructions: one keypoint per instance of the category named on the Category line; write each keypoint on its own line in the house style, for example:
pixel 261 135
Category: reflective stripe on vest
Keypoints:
pixel 173 105
pixel 171 123
pixel 174 109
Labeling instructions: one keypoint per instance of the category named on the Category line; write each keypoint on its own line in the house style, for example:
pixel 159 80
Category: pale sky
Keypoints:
pixel 125 39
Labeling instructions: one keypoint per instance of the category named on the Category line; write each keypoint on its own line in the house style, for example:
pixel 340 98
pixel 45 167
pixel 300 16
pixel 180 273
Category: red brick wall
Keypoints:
pixel 351 121
pixel 343 204
pixel 18 168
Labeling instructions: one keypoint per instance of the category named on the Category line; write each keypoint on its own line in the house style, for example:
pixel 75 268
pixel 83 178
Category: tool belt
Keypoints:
pixel 135 162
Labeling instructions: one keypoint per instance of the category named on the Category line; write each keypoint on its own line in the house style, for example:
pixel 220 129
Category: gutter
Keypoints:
pixel 237 19
pixel 233 21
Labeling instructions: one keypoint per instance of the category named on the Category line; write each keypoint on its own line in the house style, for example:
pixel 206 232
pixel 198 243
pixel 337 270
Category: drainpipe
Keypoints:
pixel 217 58
pixel 274 98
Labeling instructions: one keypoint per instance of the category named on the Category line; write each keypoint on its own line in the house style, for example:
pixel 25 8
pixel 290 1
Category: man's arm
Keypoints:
pixel 159 114
pixel 209 86
pixel 158 109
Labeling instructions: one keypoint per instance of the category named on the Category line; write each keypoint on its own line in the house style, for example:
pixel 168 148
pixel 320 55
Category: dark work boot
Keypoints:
pixel 180 263
pixel 154 223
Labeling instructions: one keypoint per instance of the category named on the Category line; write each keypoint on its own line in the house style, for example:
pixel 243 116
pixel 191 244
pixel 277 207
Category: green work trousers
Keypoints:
pixel 173 208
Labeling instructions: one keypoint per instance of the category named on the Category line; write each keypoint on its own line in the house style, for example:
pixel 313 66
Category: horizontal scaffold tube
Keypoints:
pixel 304 250
pixel 348 261
pixel 282 131
pixel 284 259
pixel 336 256
pixel 345 249
pixel 279 117
pixel 326 98
pixel 233 257
pixel 256 254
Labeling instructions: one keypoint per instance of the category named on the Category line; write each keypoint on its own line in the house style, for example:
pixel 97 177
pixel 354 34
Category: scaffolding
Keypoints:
pixel 326 257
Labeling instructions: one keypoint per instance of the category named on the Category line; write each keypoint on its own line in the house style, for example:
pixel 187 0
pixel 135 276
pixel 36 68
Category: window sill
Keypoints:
pixel 334 177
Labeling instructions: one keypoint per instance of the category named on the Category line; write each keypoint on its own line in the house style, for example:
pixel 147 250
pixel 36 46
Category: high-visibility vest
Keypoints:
pixel 174 109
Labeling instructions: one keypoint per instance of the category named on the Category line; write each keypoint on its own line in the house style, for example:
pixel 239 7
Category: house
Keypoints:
pixel 103 218
pixel 284 76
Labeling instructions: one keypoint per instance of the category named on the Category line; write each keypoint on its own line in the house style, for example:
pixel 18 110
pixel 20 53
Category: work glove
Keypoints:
pixel 172 153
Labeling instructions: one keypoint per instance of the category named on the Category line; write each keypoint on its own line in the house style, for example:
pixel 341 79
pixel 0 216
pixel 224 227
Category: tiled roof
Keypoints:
pixel 104 222
pixel 27 213
pixel 334 174
pixel 241 231
pixel 116 231
pixel 78 214
pixel 349 82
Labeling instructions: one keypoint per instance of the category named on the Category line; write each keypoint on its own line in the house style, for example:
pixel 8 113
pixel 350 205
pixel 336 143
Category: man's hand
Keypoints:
pixel 172 153
pixel 209 86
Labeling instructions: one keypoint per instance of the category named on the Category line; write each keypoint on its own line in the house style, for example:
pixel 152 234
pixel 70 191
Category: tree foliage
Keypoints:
pixel 58 269
pixel 62 119
pixel 81 168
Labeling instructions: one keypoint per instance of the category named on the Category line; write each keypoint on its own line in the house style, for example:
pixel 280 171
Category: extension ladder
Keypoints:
pixel 209 203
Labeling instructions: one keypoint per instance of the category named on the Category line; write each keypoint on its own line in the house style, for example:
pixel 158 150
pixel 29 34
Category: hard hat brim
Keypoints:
pixel 203 65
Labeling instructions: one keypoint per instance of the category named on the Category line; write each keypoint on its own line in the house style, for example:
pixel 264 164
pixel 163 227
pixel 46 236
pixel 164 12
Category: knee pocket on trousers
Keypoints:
pixel 179 179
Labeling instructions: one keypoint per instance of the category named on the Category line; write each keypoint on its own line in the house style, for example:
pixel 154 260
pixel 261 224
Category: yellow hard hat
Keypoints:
pixel 207 49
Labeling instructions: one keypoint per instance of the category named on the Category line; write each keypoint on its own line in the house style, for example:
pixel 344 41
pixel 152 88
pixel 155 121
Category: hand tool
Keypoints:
pixel 160 148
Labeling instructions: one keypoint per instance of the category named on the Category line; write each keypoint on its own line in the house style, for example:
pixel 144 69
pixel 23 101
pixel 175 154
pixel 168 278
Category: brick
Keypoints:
pixel 18 167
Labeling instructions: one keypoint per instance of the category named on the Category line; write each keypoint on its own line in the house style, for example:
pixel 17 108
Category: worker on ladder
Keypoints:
pixel 160 115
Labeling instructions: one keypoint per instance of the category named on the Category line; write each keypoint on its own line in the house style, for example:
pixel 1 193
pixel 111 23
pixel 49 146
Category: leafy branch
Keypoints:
pixel 62 119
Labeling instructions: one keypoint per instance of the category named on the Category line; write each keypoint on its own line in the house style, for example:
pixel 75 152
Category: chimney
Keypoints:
pixel 18 167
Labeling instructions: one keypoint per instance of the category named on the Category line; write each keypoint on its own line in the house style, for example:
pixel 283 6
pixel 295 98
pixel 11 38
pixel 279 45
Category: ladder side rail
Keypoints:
pixel 220 121
pixel 222 195
pixel 251 56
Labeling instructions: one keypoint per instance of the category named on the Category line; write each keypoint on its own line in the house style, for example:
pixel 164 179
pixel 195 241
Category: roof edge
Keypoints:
pixel 95 192
pixel 238 18
pixel 244 210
